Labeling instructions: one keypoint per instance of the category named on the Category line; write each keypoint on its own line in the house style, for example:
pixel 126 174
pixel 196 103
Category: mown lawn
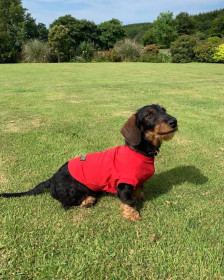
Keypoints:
pixel 53 112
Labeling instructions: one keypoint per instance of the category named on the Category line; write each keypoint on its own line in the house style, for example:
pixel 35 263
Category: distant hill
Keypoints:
pixel 137 30
pixel 203 23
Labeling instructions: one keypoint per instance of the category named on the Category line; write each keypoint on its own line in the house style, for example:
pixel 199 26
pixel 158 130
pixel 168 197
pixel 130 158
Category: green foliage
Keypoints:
pixel 128 49
pixel 30 27
pixel 149 57
pixel 205 52
pixel 106 56
pixel 203 22
pixel 217 26
pixel 58 39
pixel 86 51
pixel 149 37
pixel 111 32
pixel 78 31
pixel 136 31
pixel 12 29
pixel 164 31
pixel 33 30
pixel 185 24
pixel 219 54
pixel 36 51
pixel 42 32
pixel 161 57
pixel 182 50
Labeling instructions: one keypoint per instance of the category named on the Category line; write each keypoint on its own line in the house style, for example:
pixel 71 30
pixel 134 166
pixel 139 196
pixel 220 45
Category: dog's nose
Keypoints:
pixel 172 123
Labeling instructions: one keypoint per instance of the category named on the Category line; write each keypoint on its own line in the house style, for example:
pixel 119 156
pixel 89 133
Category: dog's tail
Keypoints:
pixel 36 190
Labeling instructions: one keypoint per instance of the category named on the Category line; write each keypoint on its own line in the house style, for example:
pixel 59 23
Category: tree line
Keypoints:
pixel 166 28
pixel 70 39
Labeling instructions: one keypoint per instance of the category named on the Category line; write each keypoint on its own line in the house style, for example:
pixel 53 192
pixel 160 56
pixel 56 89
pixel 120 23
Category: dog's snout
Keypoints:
pixel 172 123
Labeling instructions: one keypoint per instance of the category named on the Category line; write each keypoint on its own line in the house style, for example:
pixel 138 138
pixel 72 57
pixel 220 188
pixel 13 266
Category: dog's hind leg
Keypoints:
pixel 88 201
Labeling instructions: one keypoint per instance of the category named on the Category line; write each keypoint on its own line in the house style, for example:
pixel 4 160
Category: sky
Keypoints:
pixel 127 11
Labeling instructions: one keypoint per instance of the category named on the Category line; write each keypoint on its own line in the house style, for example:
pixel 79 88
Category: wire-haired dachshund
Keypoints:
pixel 121 170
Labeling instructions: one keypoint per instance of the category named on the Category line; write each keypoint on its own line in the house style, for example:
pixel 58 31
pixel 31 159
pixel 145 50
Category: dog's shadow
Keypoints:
pixel 163 182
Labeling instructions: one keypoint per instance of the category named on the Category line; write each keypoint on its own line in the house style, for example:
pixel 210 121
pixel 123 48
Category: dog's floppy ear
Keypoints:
pixel 130 131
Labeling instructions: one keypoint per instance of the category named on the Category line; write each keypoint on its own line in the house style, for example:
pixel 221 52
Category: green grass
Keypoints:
pixel 53 112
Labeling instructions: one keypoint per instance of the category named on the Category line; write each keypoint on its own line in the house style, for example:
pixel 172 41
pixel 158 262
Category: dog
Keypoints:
pixel 121 170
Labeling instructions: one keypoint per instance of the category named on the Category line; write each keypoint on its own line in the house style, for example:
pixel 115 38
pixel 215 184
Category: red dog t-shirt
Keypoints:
pixel 104 171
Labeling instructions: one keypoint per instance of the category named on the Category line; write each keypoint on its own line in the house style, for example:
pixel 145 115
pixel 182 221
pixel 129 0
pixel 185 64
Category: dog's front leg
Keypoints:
pixel 139 194
pixel 128 202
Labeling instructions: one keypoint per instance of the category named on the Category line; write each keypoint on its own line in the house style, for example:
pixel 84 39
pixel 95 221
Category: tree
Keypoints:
pixel 78 31
pixel 12 29
pixel 110 32
pixel 30 27
pixel 149 37
pixel 42 31
pixel 58 38
pixel 185 24
pixel 217 26
pixel 163 32
pixel 33 30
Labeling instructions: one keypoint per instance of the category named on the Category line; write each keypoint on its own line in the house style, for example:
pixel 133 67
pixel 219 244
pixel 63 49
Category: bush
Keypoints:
pixel 106 56
pixel 152 49
pixel 149 57
pixel 128 50
pixel 182 50
pixel 159 58
pixel 86 51
pixel 36 51
pixel 205 52
pixel 219 55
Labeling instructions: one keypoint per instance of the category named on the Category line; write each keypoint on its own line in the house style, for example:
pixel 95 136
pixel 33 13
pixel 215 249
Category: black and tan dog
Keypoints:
pixel 121 170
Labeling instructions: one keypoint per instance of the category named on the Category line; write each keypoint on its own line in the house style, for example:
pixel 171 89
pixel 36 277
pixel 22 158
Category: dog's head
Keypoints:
pixel 150 123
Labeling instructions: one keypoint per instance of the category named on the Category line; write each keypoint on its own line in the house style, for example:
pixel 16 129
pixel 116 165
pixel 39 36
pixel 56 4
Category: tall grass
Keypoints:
pixel 36 51
pixel 128 50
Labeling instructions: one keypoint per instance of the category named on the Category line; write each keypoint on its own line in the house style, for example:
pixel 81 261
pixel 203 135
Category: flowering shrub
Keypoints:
pixel 205 52
pixel 152 49
pixel 219 54
pixel 106 56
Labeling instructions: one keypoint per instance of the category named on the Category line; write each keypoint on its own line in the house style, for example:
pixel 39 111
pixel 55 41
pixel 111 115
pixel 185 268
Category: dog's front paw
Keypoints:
pixel 130 213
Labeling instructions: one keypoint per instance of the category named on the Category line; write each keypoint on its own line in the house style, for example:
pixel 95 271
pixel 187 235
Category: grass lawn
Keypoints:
pixel 53 112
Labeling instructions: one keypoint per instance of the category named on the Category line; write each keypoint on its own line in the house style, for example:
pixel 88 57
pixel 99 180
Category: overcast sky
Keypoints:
pixel 127 11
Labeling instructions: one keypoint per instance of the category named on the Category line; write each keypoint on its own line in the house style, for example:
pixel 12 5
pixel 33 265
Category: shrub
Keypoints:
pixel 152 49
pixel 219 54
pixel 128 50
pixel 182 50
pixel 205 52
pixel 106 56
pixel 159 58
pixel 149 57
pixel 86 51
pixel 36 51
